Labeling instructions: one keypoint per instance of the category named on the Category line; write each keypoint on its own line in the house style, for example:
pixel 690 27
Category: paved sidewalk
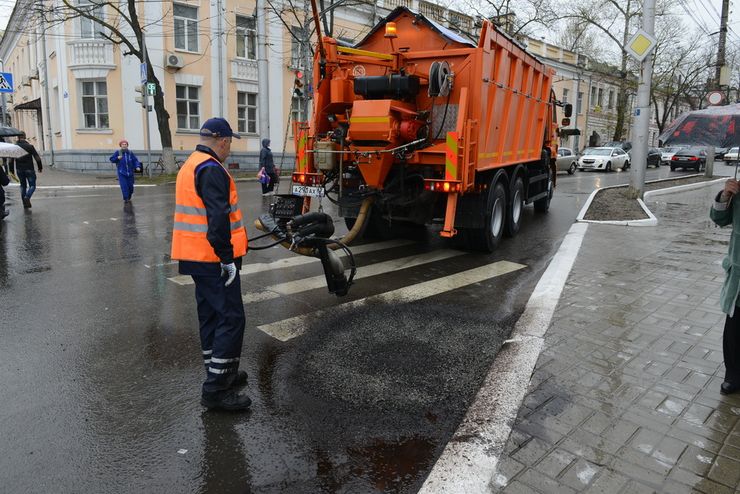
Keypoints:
pixel 625 395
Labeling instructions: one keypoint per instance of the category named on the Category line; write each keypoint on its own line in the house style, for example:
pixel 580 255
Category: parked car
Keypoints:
pixel 653 157
pixel 604 158
pixel 566 161
pixel 695 158
pixel 667 153
pixel 731 156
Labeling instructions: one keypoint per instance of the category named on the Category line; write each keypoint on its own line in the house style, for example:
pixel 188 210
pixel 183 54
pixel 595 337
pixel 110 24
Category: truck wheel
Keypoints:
pixel 516 205
pixel 486 239
pixel 542 205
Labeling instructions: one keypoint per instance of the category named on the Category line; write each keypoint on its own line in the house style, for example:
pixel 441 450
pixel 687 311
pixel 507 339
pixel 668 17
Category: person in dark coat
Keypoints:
pixel 268 164
pixel 23 168
pixel 126 164
pixel 4 180
pixel 726 211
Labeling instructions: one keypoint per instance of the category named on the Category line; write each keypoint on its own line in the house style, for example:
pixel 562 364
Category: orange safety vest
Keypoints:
pixel 189 242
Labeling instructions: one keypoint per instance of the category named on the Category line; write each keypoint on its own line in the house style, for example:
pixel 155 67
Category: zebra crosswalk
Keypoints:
pixel 291 327
pixel 295 326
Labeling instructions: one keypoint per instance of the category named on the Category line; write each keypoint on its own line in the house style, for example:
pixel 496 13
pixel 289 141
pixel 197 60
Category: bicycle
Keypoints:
pixel 158 168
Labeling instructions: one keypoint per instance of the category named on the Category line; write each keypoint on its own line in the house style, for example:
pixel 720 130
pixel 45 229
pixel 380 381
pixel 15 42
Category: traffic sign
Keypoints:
pixel 151 88
pixel 143 73
pixel 6 82
pixel 641 44
pixel 715 98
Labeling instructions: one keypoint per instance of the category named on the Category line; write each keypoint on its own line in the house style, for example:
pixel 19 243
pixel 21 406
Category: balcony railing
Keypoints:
pixel 90 52
pixel 244 70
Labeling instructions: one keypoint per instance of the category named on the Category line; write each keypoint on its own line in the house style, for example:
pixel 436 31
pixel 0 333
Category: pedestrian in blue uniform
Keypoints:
pixel 126 164
pixel 726 211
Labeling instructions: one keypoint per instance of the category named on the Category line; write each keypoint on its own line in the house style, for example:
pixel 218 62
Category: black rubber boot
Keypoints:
pixel 225 400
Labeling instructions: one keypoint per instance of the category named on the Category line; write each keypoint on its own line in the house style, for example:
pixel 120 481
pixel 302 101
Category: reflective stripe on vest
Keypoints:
pixel 189 239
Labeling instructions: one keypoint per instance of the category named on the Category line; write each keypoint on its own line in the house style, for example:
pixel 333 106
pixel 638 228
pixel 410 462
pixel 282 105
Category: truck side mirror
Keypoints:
pixel 568 109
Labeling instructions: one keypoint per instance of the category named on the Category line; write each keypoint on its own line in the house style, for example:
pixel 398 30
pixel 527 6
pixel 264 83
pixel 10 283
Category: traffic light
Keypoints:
pixel 298 84
pixel 141 99
pixel 140 90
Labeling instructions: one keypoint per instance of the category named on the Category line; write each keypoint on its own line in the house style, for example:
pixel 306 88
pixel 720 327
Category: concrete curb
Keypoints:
pixel 679 188
pixel 651 220
pixel 469 461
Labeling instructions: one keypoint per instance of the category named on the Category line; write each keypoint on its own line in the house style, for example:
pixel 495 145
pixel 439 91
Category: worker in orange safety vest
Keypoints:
pixel 209 240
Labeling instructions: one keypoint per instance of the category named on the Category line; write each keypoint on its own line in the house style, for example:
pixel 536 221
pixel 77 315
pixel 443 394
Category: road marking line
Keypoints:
pixel 298 260
pixel 295 326
pixel 297 286
pixel 469 461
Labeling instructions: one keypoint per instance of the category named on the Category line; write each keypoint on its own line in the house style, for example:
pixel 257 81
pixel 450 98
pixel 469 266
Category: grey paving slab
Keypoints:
pixel 625 396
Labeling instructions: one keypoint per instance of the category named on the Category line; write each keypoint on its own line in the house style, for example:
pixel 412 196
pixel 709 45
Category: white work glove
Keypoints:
pixel 230 271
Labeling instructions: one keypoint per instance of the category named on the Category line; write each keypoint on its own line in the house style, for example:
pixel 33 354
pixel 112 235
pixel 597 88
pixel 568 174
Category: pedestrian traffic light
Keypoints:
pixel 298 84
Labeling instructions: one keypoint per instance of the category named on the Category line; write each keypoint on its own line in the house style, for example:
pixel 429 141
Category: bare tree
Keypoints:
pixel 678 72
pixel 115 20
pixel 516 17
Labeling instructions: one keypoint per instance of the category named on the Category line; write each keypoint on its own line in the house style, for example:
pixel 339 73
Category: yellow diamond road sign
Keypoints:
pixel 640 45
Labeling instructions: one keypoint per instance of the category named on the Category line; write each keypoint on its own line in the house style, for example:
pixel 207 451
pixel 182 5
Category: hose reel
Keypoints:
pixel 440 79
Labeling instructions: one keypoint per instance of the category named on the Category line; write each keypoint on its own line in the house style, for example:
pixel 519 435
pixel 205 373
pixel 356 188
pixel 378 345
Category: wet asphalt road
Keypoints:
pixel 101 362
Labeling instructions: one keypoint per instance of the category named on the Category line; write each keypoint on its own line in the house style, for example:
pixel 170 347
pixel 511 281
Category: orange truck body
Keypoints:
pixel 443 117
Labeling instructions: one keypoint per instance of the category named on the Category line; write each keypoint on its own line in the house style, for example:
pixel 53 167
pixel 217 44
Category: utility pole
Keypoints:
pixel 642 110
pixel 2 97
pixel 721 45
pixel 262 75
pixel 47 106
pixel 145 99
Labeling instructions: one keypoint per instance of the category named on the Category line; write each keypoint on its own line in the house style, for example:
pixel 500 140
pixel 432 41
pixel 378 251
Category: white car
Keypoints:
pixel 667 153
pixel 604 158
pixel 566 161
pixel 731 156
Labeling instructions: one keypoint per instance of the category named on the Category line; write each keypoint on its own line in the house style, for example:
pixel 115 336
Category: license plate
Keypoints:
pixel 306 190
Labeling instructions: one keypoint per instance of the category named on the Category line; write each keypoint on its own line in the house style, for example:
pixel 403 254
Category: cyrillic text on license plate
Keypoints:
pixel 306 190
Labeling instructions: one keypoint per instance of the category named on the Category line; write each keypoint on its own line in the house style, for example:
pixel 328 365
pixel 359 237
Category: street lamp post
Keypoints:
pixel 2 95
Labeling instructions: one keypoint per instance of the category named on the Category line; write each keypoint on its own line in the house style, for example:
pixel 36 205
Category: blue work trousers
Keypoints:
pixel 28 182
pixel 222 321
pixel 127 185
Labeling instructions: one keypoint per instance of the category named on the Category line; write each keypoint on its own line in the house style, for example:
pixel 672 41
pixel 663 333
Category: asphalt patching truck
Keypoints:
pixel 417 124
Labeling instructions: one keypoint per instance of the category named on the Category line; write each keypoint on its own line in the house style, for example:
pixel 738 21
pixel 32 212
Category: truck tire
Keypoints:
pixel 486 239
pixel 542 205
pixel 515 208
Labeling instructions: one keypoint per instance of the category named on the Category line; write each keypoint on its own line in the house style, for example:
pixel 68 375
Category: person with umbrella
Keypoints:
pixel 23 168
pixel 7 150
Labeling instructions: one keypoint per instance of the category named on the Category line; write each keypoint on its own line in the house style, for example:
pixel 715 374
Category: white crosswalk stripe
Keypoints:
pixel 295 326
pixel 298 260
pixel 297 286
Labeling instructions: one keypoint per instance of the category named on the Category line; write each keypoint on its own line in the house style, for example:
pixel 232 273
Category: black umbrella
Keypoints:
pixel 9 131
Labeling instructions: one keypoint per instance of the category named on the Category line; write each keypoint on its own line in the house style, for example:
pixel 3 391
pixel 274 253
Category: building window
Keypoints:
pixel 593 97
pixel 579 103
pixel 565 95
pixel 600 100
pixel 246 112
pixel 297 50
pixel 611 99
pixel 186 27
pixel 94 104
pixel 89 29
pixel 188 107
pixel 246 37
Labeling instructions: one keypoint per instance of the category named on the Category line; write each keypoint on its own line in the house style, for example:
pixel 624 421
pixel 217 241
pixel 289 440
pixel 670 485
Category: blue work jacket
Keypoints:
pixel 127 164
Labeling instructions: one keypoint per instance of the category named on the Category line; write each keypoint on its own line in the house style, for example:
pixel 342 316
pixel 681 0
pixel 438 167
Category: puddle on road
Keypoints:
pixel 388 466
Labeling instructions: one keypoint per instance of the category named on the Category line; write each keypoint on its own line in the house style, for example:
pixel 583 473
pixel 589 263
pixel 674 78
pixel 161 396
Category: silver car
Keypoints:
pixel 566 161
